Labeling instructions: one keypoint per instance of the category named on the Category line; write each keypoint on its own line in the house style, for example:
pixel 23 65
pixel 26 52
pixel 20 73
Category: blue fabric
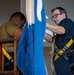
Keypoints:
pixel 30 56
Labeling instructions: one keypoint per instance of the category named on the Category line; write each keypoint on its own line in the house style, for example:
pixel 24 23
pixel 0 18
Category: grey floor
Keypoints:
pixel 47 61
pixel 47 50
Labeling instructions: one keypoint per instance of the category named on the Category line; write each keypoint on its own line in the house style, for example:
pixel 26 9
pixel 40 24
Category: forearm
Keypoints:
pixel 17 33
pixel 55 29
pixel 48 38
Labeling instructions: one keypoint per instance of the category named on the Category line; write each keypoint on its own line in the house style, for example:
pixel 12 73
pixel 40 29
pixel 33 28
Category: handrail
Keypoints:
pixel 6 40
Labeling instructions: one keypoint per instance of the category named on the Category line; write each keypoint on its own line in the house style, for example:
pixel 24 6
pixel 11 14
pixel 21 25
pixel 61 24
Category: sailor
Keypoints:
pixel 63 55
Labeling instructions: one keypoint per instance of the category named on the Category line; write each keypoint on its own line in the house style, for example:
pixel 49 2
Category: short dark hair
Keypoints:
pixel 21 15
pixel 61 9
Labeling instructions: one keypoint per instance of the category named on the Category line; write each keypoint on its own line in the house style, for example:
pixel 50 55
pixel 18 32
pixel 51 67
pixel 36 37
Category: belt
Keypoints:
pixel 60 52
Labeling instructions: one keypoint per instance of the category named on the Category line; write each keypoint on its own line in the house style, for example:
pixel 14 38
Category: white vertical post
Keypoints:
pixel 23 6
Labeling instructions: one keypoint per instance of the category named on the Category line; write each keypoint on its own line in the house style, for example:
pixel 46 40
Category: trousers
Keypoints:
pixel 62 66
pixel 11 65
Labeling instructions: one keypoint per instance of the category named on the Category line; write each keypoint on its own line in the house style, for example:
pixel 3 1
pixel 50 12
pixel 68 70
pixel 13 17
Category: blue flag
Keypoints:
pixel 30 56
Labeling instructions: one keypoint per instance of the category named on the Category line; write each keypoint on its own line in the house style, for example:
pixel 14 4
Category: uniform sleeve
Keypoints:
pixel 67 24
pixel 10 28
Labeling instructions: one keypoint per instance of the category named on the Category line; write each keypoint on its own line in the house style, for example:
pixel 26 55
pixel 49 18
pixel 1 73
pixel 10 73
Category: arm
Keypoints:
pixel 56 29
pixel 17 33
pixel 48 38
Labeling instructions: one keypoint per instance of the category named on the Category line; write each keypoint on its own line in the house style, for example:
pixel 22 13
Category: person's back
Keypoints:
pixel 7 31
